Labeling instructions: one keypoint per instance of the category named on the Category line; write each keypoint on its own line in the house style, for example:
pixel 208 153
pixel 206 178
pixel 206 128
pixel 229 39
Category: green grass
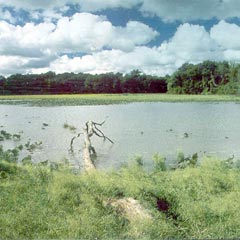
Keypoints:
pixel 37 202
pixel 101 99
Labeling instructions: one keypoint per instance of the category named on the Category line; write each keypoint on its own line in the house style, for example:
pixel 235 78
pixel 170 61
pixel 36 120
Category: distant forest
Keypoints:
pixel 208 77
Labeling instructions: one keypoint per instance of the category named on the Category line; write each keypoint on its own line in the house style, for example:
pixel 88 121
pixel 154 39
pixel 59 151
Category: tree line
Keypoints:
pixel 66 83
pixel 208 77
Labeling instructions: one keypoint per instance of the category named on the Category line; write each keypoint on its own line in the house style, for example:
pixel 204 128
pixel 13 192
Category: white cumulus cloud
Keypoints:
pixel 83 32
pixel 86 32
pixel 12 64
pixel 38 45
pixel 226 35
pixel 190 43
pixel 143 58
pixel 87 42
pixel 29 40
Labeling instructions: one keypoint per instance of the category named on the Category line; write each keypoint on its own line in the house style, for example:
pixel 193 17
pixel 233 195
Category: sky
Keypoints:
pixel 99 36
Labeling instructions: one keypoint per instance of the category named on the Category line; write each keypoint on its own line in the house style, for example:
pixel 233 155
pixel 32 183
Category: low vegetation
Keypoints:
pixel 105 99
pixel 197 201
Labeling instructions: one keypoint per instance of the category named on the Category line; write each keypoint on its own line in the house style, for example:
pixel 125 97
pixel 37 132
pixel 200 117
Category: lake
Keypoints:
pixel 137 129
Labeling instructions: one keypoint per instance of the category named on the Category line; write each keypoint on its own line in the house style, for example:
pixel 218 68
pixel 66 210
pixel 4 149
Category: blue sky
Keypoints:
pixel 98 36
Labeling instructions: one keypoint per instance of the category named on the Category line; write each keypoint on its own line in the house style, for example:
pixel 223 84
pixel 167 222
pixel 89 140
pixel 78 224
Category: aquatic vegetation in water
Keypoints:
pixel 33 146
pixel 16 137
pixel 4 135
pixel 70 127
pixel 12 155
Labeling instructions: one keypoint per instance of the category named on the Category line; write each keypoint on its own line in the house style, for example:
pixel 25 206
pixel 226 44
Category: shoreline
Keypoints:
pixel 106 99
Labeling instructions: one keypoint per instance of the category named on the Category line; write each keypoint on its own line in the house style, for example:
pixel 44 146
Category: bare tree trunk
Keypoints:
pixel 88 163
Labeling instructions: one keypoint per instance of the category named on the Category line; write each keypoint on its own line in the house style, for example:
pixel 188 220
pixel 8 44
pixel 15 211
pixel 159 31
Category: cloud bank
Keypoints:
pixel 86 41
pixel 168 10
pixel 45 47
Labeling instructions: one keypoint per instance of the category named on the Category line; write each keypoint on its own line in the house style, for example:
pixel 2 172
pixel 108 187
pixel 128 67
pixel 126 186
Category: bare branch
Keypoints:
pixel 71 144
pixel 100 133
pixel 99 124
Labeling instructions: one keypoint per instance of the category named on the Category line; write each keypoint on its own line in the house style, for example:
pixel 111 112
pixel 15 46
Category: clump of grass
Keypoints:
pixel 184 161
pixel 10 155
pixel 39 202
pixel 159 162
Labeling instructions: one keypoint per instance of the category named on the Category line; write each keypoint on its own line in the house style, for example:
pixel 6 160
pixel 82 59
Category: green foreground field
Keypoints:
pixel 101 99
pixel 37 202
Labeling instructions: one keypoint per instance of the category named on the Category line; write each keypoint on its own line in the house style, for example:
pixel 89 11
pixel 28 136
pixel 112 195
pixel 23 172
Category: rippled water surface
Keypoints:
pixel 136 129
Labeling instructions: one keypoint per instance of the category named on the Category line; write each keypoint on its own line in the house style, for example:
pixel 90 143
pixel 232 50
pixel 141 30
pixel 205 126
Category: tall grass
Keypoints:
pixel 39 202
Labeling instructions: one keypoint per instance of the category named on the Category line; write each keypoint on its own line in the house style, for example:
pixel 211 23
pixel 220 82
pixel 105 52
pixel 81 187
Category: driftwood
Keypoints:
pixel 89 154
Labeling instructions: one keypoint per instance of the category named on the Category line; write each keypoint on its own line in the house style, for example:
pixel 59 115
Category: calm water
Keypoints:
pixel 137 129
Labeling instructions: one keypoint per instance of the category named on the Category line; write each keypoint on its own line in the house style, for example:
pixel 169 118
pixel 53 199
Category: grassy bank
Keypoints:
pixel 37 202
pixel 100 99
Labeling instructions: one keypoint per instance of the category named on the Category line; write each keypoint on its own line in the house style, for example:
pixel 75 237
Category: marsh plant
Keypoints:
pixel 159 162
pixel 10 155
pixel 33 146
pixel 4 135
pixel 184 161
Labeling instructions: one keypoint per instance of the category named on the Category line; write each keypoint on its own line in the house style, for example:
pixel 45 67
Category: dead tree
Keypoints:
pixel 89 154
